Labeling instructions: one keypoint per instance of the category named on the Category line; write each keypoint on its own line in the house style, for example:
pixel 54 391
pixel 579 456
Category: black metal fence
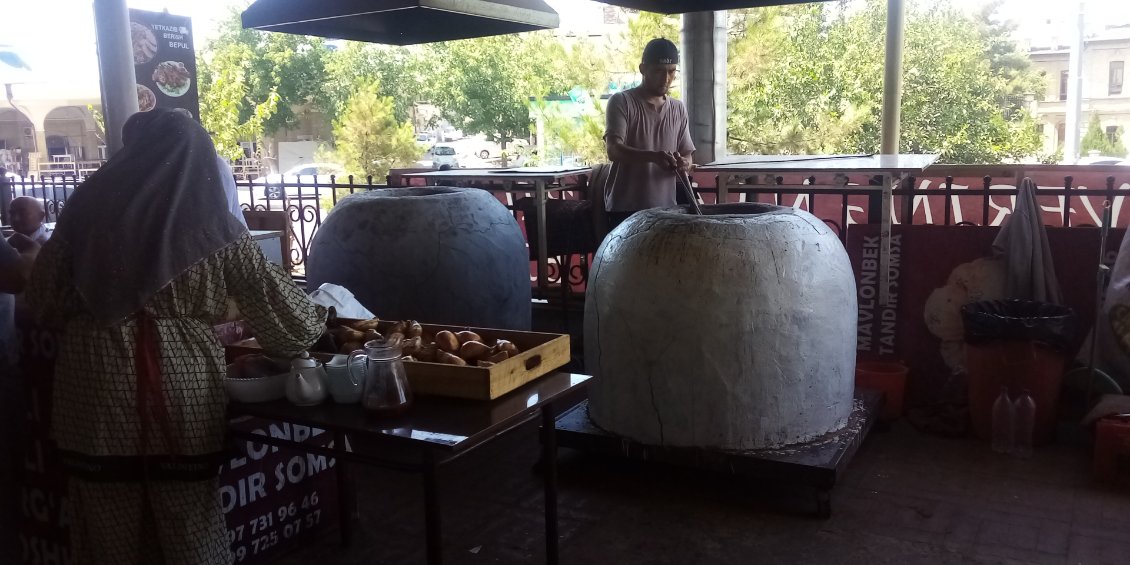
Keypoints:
pixel 964 196
pixel 967 196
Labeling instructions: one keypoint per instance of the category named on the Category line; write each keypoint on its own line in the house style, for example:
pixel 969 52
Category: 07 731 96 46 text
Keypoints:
pixel 264 532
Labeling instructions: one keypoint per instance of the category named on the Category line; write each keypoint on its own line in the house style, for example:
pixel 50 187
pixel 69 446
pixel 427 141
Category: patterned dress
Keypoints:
pixel 146 492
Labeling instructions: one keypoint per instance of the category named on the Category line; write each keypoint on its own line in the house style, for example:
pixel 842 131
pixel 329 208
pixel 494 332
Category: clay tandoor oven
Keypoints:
pixel 438 254
pixel 732 330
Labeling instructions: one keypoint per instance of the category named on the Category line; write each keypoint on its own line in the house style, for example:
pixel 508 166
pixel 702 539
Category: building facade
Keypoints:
pixel 1105 92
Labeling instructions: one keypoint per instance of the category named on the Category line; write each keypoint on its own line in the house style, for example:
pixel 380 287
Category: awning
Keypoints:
pixel 684 6
pixel 400 22
pixel 13 69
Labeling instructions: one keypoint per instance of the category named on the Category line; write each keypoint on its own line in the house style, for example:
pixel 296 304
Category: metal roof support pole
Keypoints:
pixel 892 76
pixel 115 68
pixel 705 36
pixel 1073 121
pixel 892 111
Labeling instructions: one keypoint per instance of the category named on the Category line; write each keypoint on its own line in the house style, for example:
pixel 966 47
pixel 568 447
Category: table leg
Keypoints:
pixel 543 253
pixel 549 477
pixel 345 492
pixel 432 526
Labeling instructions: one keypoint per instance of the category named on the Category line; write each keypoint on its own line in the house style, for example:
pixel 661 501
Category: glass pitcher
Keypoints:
pixel 385 391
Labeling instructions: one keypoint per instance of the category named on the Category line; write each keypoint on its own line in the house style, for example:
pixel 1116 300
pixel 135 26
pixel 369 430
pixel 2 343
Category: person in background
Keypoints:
pixel 231 192
pixel 17 257
pixel 142 265
pixel 647 137
pixel 27 218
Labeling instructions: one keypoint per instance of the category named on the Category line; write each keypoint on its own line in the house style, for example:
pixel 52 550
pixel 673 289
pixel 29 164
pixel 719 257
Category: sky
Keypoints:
pixel 56 37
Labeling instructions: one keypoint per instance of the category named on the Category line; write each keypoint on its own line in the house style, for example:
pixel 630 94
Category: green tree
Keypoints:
pixel 1096 139
pixel 642 28
pixel 580 136
pixel 370 140
pixel 485 85
pixel 1007 60
pixel 290 68
pixel 814 85
pixel 401 73
pixel 227 109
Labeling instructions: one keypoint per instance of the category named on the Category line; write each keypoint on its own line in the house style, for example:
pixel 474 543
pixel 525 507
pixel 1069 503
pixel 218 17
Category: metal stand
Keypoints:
pixel 817 464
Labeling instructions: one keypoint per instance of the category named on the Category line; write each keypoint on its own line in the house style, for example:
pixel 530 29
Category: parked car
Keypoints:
pixel 451 134
pixel 52 187
pixel 1102 160
pixel 443 157
pixel 287 183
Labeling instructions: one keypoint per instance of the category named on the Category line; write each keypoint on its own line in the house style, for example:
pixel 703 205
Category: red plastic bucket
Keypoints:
pixel 888 377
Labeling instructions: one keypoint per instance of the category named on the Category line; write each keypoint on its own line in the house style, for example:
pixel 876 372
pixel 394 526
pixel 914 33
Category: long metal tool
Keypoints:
pixel 685 180
pixel 1101 277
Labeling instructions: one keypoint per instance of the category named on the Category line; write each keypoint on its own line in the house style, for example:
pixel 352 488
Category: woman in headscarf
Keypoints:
pixel 144 261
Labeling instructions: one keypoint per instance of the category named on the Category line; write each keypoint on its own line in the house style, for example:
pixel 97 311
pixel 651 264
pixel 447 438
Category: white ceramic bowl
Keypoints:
pixel 262 389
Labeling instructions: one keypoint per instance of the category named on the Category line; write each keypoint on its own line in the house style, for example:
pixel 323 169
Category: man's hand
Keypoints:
pixel 686 164
pixel 669 161
pixel 24 244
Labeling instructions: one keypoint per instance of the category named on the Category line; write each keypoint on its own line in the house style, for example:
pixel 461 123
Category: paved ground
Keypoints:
pixel 907 498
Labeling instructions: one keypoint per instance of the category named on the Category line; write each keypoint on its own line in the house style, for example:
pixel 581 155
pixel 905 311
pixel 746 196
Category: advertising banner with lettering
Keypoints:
pixel 1085 208
pixel 164 61
pixel 44 516
pixel 934 270
pixel 272 498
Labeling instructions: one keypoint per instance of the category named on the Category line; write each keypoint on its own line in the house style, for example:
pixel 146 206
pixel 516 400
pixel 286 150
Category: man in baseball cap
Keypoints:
pixel 647 137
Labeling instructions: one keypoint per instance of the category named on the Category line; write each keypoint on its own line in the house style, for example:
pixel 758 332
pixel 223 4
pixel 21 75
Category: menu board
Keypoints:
pixel 164 61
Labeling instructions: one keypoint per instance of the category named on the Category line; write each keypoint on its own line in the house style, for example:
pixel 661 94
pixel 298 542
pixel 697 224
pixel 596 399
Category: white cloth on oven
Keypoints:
pixel 342 301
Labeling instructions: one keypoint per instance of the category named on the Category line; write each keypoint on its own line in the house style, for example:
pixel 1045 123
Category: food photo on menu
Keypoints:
pixel 144 43
pixel 172 78
pixel 146 100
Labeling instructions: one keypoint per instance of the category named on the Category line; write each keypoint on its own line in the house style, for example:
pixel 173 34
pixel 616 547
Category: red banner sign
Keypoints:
pixel 936 269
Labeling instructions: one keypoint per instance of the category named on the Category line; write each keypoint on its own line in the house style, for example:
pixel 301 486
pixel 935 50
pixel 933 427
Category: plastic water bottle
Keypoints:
pixel 1004 422
pixel 1024 410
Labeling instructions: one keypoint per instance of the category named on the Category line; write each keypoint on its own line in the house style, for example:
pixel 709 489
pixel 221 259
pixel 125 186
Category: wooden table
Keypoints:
pixel 891 167
pixel 433 432
pixel 540 177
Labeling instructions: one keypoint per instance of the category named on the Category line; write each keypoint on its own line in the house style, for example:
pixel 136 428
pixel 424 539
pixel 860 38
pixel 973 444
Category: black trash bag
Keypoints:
pixel 1049 324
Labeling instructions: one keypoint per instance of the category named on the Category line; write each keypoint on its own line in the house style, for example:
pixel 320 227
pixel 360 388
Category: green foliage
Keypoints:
pixel 227 108
pixel 642 28
pixel 581 136
pixel 485 85
pixel 1007 60
pixel 1096 139
pixel 400 72
pixel 291 67
pixel 808 79
pixel 1051 158
pixel 370 140
pixel 99 122
pixel 803 78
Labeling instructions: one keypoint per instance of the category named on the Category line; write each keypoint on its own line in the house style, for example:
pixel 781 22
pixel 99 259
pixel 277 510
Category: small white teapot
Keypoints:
pixel 306 385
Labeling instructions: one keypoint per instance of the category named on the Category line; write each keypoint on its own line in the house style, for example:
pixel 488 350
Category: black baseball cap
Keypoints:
pixel 660 51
